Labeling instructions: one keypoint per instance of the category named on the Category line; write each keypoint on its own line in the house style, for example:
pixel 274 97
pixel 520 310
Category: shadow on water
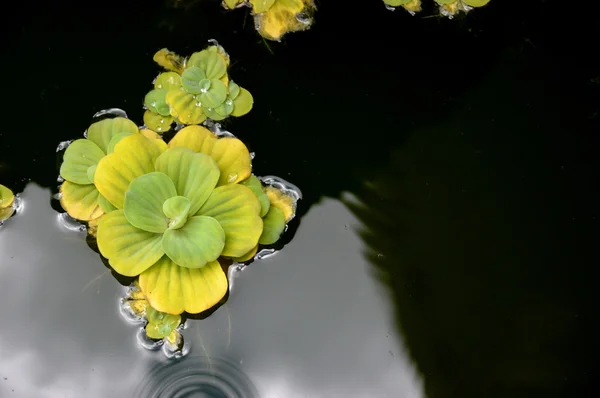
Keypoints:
pixel 481 227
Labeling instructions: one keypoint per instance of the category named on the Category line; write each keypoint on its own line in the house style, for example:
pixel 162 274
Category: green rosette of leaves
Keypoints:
pixel 7 199
pixel 202 90
pixel 78 193
pixel 178 209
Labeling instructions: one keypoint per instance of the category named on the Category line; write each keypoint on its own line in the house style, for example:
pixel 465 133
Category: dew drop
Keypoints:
pixel 60 179
pixel 252 155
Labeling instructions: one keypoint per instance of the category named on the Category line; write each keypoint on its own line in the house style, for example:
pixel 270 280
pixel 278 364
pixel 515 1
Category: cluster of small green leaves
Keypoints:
pixel 447 7
pixel 193 90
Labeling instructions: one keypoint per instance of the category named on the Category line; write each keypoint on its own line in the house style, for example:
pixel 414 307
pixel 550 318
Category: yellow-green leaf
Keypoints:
pixel 281 18
pixel 173 289
pixel 243 103
pixel 105 205
pixel 129 250
pixel 198 242
pixel 211 63
pixel 231 155
pixel 273 226
pixel 261 5
pixel 167 81
pixel 195 174
pixel 169 60
pixel 257 188
pixel 476 3
pixel 133 156
pixel 6 197
pixel 79 157
pixel 80 201
pixel 103 131
pixel 248 256
pixel 185 106
pixel 237 209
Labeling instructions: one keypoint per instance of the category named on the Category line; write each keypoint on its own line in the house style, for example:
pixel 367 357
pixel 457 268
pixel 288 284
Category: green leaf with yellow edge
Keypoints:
pixel 257 188
pixel 185 106
pixel 248 256
pixel 7 197
pixel 144 200
pixel 115 140
pixel 259 6
pixel 173 289
pixel 191 79
pixel 281 18
pixel 476 3
pixel 167 81
pixel 133 156
pixel 273 226
pixel 105 205
pixel 129 250
pixel 233 89
pixel 211 63
pixel 155 102
pixel 243 103
pixel 195 174
pixel 160 324
pixel 237 209
pixel 198 242
pixel 231 155
pixel 103 131
pixel 78 158
pixel 177 210
pixel 80 201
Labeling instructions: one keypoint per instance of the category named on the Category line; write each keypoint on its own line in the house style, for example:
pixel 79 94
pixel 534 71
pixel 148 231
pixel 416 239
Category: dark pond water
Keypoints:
pixel 445 242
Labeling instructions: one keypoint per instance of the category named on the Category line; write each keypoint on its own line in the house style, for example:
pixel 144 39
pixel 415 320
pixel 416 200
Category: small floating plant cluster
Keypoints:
pixel 9 203
pixel 275 18
pixel 448 8
pixel 174 213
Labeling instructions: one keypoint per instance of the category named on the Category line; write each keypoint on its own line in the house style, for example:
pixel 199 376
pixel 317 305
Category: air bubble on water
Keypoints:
pixel 389 7
pixel 57 196
pixel 176 351
pixel 146 342
pixel 85 134
pixel 265 253
pixel 63 145
pixel 304 18
pixel 283 185
pixel 217 129
pixel 252 155
pixel 114 112
pixel 68 222
pixel 60 179
pixel 129 314
pixel 214 42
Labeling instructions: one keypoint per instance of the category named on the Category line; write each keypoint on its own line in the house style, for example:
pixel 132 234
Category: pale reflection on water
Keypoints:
pixel 309 321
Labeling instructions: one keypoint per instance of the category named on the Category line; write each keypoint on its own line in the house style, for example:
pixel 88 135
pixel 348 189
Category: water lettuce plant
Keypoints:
pixel 194 89
pixel 274 18
pixel 174 213
pixel 7 201
pixel 447 8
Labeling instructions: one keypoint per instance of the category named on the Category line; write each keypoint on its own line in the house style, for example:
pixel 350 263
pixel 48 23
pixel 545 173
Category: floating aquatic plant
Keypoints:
pixel 194 89
pixel 447 8
pixel 274 18
pixel 7 203
pixel 172 215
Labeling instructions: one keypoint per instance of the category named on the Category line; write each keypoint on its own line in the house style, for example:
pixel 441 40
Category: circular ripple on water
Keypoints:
pixel 196 377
